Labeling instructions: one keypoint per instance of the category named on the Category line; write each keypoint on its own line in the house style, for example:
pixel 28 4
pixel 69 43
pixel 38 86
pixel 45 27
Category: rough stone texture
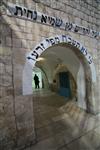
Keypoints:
pixel 7 123
pixel 25 121
pixel 6 84
pixel 17 37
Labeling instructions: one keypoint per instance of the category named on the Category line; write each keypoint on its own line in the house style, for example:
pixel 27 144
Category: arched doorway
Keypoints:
pixel 74 56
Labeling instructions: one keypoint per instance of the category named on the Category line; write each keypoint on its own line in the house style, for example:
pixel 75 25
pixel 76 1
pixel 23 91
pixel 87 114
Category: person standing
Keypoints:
pixel 36 81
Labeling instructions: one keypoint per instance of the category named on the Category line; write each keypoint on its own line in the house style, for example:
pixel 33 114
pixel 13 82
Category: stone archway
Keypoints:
pixel 32 57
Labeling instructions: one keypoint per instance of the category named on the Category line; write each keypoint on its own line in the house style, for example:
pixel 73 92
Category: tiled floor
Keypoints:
pixel 61 125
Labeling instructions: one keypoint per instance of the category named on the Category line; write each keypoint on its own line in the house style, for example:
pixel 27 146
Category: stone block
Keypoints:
pixel 75 12
pixel 60 6
pixel 18 74
pixel 78 7
pixel 29 25
pixel 77 20
pixel 81 15
pixel 2 92
pixel 25 141
pixel 16 42
pixel 65 1
pixel 30 4
pixel 17 34
pixel 25 126
pixel 5 50
pixel 15 27
pixel 48 2
pixel 2 68
pixel 24 44
pixel 5 91
pixel 24 106
pixel 29 30
pixel 69 10
pixel 6 106
pixel 3 40
pixel 20 22
pixel 28 44
pixel 94 20
pixel 84 23
pixel 6 30
pixel 86 17
pixel 29 37
pixel 25 120
pixel 7 123
pixel 6 80
pixel 40 7
pixel 9 69
pixel 20 55
pixel 8 41
pixel 90 19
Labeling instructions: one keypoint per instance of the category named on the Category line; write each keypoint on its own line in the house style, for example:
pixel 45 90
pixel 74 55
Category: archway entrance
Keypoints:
pixel 58 53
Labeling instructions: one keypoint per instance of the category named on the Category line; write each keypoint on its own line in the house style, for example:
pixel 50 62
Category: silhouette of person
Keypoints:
pixel 36 81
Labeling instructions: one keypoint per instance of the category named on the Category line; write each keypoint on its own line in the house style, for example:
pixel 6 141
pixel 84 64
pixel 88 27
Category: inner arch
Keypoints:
pixel 59 59
pixel 48 42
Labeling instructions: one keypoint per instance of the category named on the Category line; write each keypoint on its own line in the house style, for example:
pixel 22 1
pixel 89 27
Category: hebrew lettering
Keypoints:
pixel 51 21
pixel 90 60
pixel 39 48
pixel 34 15
pixel 84 50
pixel 64 38
pixel 19 11
pixel 30 58
pixel 58 22
pixel 76 28
pixel 52 41
pixel 69 40
pixel 78 45
pixel 57 40
pixel 68 26
pixel 73 42
pixel 25 11
pixel 44 19
pixel 34 53
pixel 42 45
pixel 29 14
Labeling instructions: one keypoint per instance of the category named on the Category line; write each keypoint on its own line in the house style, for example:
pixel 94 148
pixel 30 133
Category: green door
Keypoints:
pixel 64 84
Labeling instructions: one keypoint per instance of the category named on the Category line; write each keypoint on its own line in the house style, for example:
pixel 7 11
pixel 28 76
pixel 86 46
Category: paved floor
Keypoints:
pixel 61 125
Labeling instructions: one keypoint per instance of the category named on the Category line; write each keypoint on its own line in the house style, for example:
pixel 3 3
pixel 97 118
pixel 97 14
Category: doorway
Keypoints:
pixel 64 84
pixel 39 74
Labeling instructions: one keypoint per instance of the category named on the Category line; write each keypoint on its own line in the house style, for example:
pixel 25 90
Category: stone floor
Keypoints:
pixel 61 125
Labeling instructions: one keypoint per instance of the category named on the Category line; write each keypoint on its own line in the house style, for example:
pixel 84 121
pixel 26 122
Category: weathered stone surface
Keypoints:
pixel 25 120
pixel 7 123
pixel 5 75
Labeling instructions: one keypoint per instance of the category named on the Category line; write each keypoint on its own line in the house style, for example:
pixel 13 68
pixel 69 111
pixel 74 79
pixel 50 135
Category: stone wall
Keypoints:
pixel 84 12
pixel 16 112
pixel 19 37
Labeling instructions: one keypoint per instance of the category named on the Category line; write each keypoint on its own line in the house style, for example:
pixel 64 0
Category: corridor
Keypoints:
pixel 61 125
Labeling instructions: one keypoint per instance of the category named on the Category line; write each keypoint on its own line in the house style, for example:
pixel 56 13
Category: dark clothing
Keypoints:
pixel 36 80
